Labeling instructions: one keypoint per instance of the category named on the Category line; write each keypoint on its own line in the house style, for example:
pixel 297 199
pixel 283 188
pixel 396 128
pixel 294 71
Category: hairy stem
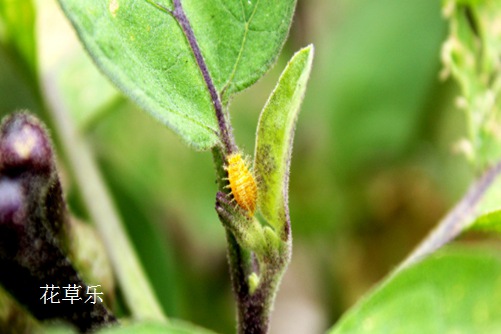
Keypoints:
pixel 255 274
pixel 136 289
pixel 253 307
pixel 456 220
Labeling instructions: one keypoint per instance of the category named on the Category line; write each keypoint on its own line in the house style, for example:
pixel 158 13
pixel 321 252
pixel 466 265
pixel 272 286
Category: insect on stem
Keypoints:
pixel 242 183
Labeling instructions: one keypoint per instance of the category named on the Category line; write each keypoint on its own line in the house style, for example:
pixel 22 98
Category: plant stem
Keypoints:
pixel 136 289
pixel 255 271
pixel 459 218
pixel 253 315
pixel 253 307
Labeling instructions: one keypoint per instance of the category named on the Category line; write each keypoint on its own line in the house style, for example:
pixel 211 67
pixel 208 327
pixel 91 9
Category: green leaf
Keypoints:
pixel 254 32
pixel 145 53
pixel 176 327
pixel 489 222
pixel 454 291
pixel 275 134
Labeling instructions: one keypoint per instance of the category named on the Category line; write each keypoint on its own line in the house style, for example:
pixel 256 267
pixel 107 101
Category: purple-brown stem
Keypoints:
pixel 253 308
pixel 456 220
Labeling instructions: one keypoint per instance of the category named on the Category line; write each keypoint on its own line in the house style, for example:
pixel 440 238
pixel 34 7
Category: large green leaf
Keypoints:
pixel 240 39
pixel 145 53
pixel 274 138
pixel 454 291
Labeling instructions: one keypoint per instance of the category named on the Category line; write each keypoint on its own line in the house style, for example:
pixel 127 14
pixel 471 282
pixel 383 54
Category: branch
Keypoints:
pixel 459 218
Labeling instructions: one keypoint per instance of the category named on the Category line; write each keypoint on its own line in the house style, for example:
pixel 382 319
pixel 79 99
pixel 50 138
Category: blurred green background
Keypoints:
pixel 373 165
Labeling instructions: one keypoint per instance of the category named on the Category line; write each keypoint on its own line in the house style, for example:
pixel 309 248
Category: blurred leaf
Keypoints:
pixel 454 291
pixel 154 249
pixel 58 330
pixel 373 102
pixel 275 135
pixel 373 80
pixel 146 173
pixel 489 222
pixel 16 93
pixel 169 213
pixel 175 327
pixel 17 21
pixel 14 318
pixel 145 53
pixel 18 76
pixel 88 102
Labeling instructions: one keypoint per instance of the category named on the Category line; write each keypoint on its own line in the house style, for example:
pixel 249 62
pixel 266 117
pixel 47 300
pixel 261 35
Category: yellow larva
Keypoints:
pixel 242 184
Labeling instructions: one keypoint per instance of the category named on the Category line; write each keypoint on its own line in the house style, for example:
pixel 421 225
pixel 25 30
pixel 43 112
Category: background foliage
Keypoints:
pixel 373 165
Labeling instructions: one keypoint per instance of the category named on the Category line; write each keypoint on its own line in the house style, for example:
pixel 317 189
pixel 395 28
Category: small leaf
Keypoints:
pixel 488 213
pixel 145 53
pixel 453 291
pixel 275 135
pixel 489 222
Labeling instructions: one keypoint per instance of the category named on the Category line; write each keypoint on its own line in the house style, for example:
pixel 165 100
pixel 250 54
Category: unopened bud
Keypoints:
pixel 24 146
